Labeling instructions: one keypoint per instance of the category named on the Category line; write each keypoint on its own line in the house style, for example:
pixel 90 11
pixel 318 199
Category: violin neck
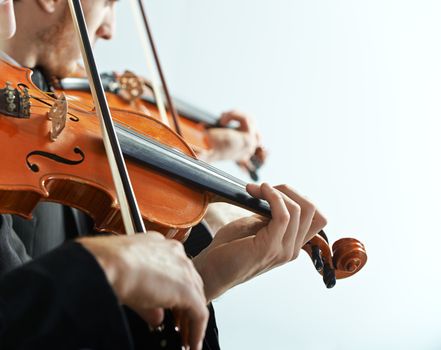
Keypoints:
pixel 188 170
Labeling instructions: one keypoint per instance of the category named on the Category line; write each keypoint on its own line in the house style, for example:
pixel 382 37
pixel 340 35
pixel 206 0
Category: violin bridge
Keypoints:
pixel 14 102
pixel 131 87
pixel 57 115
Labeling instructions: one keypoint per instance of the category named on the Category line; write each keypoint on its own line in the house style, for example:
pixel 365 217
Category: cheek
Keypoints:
pixel 94 17
pixel 92 28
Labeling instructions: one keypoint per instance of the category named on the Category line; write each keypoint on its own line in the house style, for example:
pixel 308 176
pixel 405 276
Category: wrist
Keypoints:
pixel 203 271
pixel 107 260
pixel 213 286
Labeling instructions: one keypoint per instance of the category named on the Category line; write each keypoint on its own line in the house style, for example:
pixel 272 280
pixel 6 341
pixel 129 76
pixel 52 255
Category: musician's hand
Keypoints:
pixel 250 246
pixel 238 144
pixel 7 19
pixel 149 273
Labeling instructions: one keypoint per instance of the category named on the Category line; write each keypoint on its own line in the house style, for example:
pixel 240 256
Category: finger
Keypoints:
pixel 197 326
pixel 280 215
pixel 244 164
pixel 293 237
pixel 244 121
pixel 318 223
pixel 193 320
pixel 185 332
pixel 307 217
pixel 255 190
pixel 177 315
pixel 154 317
pixel 261 153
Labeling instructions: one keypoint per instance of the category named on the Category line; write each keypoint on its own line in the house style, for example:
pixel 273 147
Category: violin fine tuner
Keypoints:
pixel 15 103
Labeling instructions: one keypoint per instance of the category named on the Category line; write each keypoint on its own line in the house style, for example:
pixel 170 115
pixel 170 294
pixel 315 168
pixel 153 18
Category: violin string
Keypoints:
pixel 196 162
pixel 80 106
pixel 188 159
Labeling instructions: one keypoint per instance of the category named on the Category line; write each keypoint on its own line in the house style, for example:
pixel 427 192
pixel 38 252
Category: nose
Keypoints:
pixel 105 32
pixel 107 28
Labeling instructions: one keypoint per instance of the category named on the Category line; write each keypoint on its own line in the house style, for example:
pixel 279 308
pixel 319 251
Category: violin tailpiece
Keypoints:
pixel 15 103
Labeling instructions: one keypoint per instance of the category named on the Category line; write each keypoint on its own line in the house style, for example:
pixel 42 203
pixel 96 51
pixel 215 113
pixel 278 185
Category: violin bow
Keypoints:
pixel 142 22
pixel 143 26
pixel 131 214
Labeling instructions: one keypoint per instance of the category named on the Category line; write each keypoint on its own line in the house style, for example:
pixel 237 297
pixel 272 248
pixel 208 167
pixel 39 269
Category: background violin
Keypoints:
pixel 128 91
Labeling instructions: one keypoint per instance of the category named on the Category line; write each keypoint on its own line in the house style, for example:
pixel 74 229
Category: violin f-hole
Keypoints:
pixel 35 168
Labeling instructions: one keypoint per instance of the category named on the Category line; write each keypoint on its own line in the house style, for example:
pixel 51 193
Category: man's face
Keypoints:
pixel 60 49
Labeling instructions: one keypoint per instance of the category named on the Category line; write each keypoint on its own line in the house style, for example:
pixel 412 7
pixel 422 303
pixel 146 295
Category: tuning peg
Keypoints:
pixel 317 258
pixel 329 276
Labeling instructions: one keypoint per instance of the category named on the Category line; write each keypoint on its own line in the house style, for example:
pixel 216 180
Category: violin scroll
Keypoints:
pixel 348 256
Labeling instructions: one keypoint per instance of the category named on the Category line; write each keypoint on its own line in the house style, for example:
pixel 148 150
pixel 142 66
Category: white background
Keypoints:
pixel 346 94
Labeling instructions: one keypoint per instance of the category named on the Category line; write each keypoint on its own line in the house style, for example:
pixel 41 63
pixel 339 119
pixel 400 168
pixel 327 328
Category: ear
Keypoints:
pixel 49 6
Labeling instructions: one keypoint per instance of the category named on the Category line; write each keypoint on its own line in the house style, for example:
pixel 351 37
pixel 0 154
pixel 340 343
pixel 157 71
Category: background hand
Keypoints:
pixel 238 144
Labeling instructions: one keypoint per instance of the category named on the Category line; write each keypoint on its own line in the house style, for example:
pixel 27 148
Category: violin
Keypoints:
pixel 56 153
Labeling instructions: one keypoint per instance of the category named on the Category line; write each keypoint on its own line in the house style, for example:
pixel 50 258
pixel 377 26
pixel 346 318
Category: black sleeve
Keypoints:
pixel 200 238
pixel 61 301
pixel 12 250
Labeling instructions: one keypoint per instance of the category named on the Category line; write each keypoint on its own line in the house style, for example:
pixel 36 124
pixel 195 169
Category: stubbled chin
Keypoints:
pixel 62 71
pixel 70 70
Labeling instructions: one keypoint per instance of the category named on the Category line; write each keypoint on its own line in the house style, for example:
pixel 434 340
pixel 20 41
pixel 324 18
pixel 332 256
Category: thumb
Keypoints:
pixel 240 228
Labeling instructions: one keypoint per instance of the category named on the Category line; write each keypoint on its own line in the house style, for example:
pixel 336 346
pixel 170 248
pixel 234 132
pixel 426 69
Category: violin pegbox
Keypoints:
pixel 14 102
pixel 57 115
pixel 347 257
